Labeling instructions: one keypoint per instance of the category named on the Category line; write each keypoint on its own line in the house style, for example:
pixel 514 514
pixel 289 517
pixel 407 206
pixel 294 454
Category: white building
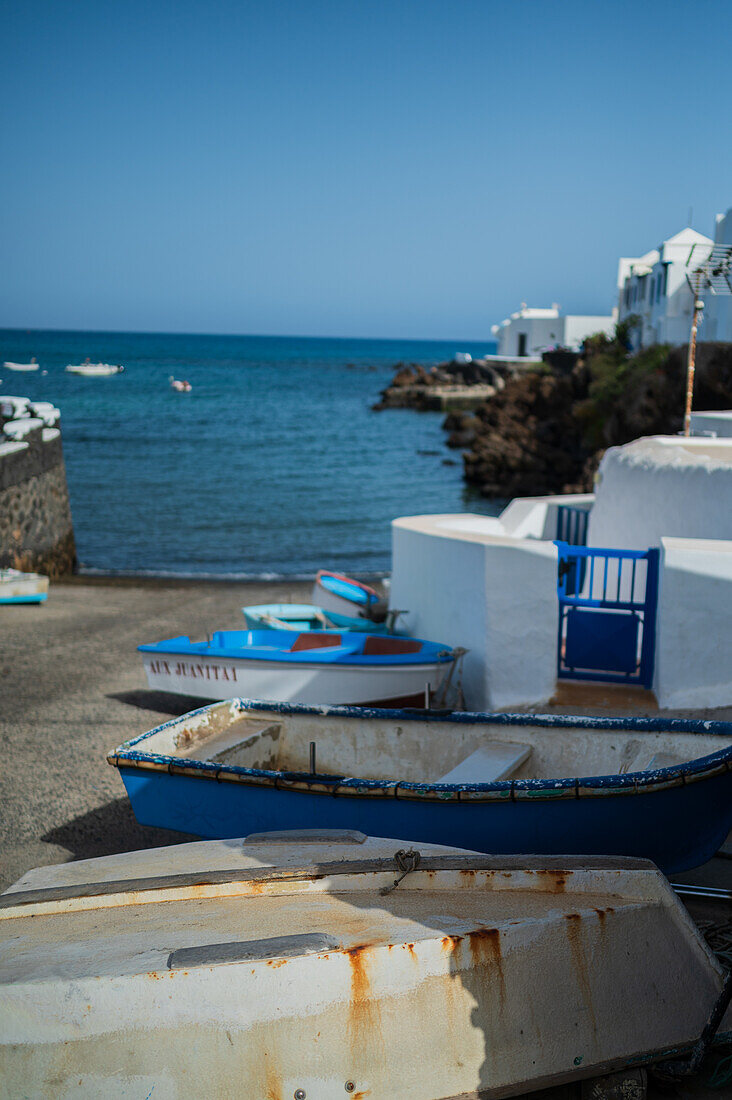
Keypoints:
pixel 717 323
pixel 490 584
pixel 654 289
pixel 529 332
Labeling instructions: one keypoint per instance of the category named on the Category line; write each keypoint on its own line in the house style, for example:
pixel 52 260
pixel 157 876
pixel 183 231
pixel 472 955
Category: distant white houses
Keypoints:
pixel 529 332
pixel 654 289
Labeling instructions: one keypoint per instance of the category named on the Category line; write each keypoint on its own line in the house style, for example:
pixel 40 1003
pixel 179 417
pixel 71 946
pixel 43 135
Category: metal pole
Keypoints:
pixel 691 362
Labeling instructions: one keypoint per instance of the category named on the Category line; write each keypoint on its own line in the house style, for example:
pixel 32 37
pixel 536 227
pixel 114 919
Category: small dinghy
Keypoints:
pixel 336 592
pixel 17 587
pixel 94 370
pixel 180 385
pixel 649 787
pixel 307 667
pixel 327 965
pixel 306 616
pixel 22 366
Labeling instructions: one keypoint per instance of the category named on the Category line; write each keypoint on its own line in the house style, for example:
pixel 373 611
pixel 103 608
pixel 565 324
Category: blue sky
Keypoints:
pixel 330 167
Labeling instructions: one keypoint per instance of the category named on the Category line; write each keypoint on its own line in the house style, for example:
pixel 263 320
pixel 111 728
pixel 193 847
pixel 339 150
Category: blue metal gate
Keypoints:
pixel 607 614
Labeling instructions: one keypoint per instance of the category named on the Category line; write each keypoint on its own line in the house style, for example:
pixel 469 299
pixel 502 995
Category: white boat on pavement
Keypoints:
pixel 331 964
pixel 18 587
pixel 94 370
pixel 300 667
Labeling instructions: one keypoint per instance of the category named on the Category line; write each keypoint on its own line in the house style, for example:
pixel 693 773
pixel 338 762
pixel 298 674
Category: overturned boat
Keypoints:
pixel 303 667
pixel 648 787
pixel 327 965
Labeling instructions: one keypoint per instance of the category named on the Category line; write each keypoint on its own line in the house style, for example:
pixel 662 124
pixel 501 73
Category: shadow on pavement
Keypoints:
pixel 163 702
pixel 110 829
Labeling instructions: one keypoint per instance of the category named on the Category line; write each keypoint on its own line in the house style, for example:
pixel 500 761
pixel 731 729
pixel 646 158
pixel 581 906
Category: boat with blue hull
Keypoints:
pixel 301 667
pixel 500 783
pixel 306 616
pixel 337 592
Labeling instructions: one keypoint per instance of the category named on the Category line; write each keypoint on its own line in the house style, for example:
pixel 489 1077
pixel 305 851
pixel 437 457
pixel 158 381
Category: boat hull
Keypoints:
pixel 307 617
pixel 655 825
pixel 219 678
pixel 23 588
pixel 275 968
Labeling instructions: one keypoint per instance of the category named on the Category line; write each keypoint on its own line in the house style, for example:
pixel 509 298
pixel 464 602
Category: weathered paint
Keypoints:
pixel 484 983
pixel 263 779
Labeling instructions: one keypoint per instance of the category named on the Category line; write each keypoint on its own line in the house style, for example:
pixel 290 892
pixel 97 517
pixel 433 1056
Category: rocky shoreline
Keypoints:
pixel 450 384
pixel 545 430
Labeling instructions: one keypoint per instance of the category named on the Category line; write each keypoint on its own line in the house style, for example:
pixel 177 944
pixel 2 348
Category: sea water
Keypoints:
pixel 273 465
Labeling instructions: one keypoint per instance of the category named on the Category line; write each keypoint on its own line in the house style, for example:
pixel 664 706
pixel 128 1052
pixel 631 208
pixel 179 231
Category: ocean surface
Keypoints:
pixel 274 464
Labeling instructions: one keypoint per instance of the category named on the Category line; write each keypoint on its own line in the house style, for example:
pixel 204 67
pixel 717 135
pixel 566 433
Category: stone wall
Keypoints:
pixel 36 530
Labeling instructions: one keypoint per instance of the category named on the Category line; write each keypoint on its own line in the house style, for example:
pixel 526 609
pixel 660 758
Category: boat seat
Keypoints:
pixel 380 646
pixel 316 640
pixel 222 745
pixel 490 763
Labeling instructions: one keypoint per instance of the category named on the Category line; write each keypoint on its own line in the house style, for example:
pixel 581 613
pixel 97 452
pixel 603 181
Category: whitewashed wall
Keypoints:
pixel 662 486
pixel 694 638
pixel 712 423
pixel 464 584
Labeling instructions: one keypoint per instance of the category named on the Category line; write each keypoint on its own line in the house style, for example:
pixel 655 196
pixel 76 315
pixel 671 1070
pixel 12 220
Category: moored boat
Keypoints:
pixel 94 370
pixel 503 783
pixel 306 616
pixel 332 965
pixel 304 667
pixel 18 587
pixel 22 366
pixel 336 592
pixel 180 385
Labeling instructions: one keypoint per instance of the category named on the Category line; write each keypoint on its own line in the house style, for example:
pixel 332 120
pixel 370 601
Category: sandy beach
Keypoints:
pixel 72 687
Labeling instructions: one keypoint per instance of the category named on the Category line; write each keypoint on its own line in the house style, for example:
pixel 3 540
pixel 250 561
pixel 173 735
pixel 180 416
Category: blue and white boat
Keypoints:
pixel 500 783
pixel 336 592
pixel 306 616
pixel 304 667
pixel 17 587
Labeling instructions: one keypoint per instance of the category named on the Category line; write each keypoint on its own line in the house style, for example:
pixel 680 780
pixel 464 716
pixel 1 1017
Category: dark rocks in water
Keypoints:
pixel 410 386
pixel 546 433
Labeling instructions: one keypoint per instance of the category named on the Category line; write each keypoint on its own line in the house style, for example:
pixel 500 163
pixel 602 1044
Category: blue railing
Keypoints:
pixel 607 614
pixel 572 524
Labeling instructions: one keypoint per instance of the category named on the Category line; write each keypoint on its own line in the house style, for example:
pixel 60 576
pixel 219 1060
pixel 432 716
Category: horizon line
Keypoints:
pixel 251 335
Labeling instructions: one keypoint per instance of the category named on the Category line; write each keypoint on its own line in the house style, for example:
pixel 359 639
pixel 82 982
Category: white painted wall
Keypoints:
pixel 717 322
pixel 694 639
pixel 465 584
pixel 712 423
pixel 662 486
pixel 546 328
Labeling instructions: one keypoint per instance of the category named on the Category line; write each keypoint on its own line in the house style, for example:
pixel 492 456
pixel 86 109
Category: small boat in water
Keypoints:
pixel 655 788
pixel 336 592
pixel 306 616
pixel 306 667
pixel 94 370
pixel 17 587
pixel 33 365
pixel 180 385
pixel 336 964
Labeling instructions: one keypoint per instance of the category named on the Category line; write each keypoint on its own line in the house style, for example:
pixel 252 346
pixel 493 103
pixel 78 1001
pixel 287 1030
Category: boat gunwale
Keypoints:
pixel 127 755
pixel 345 654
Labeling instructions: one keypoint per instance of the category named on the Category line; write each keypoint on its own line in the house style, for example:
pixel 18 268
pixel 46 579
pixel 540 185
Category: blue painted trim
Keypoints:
pixel 275 645
pixel 24 599
pixel 128 755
